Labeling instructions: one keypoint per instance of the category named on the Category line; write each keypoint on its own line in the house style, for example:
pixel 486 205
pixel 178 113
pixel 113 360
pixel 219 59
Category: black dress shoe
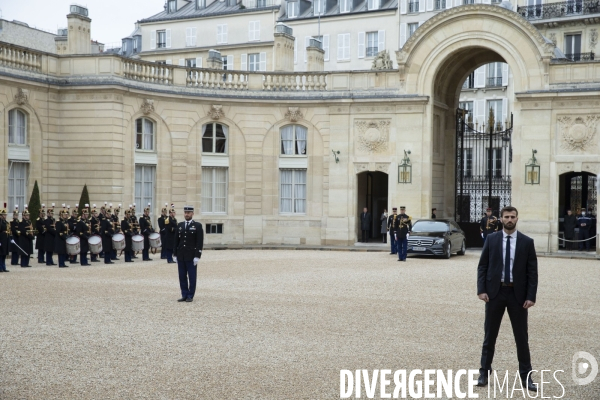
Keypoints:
pixel 128 261
pixel 109 262
pixel 63 266
pixel 182 299
pixel 189 300
pixel 95 260
pixel 171 262
pixel 25 266
pixel 392 253
pixel 530 385
pixel 6 270
pixel 86 264
pixel 147 259
pixel 483 380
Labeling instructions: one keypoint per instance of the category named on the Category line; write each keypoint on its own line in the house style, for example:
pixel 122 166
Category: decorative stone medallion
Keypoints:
pixel 147 106
pixel 216 112
pixel 372 136
pixel 22 98
pixel 293 114
pixel 577 132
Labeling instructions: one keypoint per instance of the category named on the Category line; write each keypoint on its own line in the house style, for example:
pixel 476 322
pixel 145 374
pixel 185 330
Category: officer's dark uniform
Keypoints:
pixel 128 232
pixel 14 233
pixel 4 231
pixel 169 242
pixel 72 221
pixel 101 218
pixel 49 223
pixel 584 223
pixel 83 231
pixel 107 230
pixel 26 241
pixel 94 230
pixel 146 230
pixel 116 227
pixel 60 241
pixel 189 241
pixel 39 241
pixel 402 227
pixel 488 225
pixel 390 226
pixel 161 229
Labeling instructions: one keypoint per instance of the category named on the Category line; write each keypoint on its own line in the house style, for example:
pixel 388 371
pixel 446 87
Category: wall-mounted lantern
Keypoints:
pixel 532 170
pixel 405 169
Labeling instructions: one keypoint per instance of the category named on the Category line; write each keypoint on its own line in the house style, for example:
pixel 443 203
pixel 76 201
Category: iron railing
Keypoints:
pixel 281 28
pixel 413 6
pixel 494 81
pixel 558 10
pixel 580 56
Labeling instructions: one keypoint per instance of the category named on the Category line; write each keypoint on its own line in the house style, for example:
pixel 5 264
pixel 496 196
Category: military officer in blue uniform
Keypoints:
pixel 584 223
pixel 488 224
pixel 189 241
pixel 39 236
pixel 402 228
pixel 72 221
pixel 146 229
pixel 4 232
pixel 26 238
pixel 82 229
pixel 50 229
pixel 162 230
pixel 107 229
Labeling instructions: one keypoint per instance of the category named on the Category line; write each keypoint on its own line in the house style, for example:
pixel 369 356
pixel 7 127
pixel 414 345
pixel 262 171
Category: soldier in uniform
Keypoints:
pixel 402 229
pixel 60 240
pixel 39 237
pixel 189 241
pixel 49 225
pixel 26 238
pixel 135 225
pixel 4 232
pixel 114 217
pixel 488 224
pixel 72 223
pixel 94 230
pixel 83 230
pixel 390 226
pixel 161 229
pixel 101 218
pixel 128 232
pixel 434 213
pixel 170 232
pixel 107 230
pixel 14 236
pixel 146 230
pixel 584 223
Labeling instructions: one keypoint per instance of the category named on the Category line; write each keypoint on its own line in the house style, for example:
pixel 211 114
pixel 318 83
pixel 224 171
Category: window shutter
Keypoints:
pixel 219 33
pixel 429 5
pixel 361 45
pixel 381 41
pixel 480 77
pixel 251 31
pixel 340 47
pixel 188 36
pixel 306 43
pixel 224 33
pixel 326 47
pixel 504 111
pixel 479 111
pixel 256 30
pixel 295 51
pixel 448 4
pixel 182 62
pixel 457 2
pixel 168 31
pixel 152 40
pixel 263 62
pixel 230 63
pixel 403 29
pixel 347 46
pixel 504 74
pixel 193 36
pixel 403 6
pixel 198 62
pixel 421 6
pixel 244 62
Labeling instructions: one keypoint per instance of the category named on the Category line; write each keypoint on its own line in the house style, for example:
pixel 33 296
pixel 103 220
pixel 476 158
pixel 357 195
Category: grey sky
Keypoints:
pixel 111 19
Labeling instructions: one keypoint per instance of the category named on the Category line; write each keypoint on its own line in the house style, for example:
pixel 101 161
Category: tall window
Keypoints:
pixel 222 33
pixel 17 127
pixel 468 163
pixel 496 162
pixel 573 47
pixel 345 6
pixel 468 107
pixel 496 106
pixel 412 28
pixel 373 4
pixel 214 190
pixel 343 47
pixel 534 9
pixel 214 138
pixel 145 177
pixel 372 44
pixel 413 6
pixel 292 9
pixel 494 74
pixel 254 30
pixel 292 198
pixel 440 4
pixel 17 184
pixel 161 39
pixel 254 62
pixel 172 6
pixel 319 7
pixel 293 140
pixel 469 83
pixel 144 128
pixel 200 4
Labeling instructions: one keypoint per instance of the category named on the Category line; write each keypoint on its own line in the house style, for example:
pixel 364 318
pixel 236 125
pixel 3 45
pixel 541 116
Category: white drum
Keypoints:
pixel 73 245
pixel 154 239
pixel 95 244
pixel 137 243
pixel 118 241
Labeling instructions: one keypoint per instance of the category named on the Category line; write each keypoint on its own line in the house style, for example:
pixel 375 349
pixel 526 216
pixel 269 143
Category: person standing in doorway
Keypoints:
pixel 189 241
pixel 570 222
pixel 391 229
pixel 365 224
pixel 433 213
pixel 584 223
pixel 507 279
pixel 383 219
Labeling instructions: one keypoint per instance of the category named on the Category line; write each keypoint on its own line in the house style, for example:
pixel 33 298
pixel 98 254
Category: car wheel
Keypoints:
pixel 463 249
pixel 448 250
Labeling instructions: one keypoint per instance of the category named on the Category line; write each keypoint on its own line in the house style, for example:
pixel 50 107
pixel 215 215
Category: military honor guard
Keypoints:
pixel 50 229
pixel 161 229
pixel 584 223
pixel 170 232
pixel 488 224
pixel 39 236
pixel 135 224
pixel 146 229
pixel 114 217
pixel 402 229
pixel 14 236
pixel 83 231
pixel 390 227
pixel 102 217
pixel 72 221
pixel 60 239
pixel 127 230
pixel 4 233
pixel 107 230
pixel 26 236
pixel 189 241
pixel 94 229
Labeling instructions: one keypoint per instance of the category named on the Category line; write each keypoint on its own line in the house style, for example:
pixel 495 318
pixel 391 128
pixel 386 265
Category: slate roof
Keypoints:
pixel 189 11
pixel 361 8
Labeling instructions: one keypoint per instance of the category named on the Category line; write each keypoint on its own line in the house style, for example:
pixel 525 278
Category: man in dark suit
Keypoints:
pixel 507 279
pixel 584 223
pixel 189 241
pixel 365 224
pixel 570 222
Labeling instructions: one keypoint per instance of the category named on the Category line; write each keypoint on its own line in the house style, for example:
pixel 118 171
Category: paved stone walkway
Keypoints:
pixel 273 325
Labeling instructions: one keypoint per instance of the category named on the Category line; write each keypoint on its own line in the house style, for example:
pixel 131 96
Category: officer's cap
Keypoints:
pixel 188 208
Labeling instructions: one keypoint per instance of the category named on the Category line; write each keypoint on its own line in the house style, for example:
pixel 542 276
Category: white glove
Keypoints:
pixel 407 235
pixel 196 259
pixel 482 235
pixel 175 258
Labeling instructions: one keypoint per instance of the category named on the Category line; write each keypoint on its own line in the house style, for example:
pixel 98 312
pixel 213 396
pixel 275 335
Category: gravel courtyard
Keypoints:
pixel 273 325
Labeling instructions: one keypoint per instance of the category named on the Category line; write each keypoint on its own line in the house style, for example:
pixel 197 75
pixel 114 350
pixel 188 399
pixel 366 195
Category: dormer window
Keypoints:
pixel 319 7
pixel 293 8
pixel 172 6
pixel 200 4
pixel 345 6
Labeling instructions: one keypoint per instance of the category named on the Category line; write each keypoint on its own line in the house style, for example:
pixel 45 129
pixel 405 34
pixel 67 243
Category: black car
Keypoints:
pixel 439 237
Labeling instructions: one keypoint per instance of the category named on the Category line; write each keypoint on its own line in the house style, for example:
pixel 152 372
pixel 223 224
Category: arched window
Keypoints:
pixel 214 138
pixel 17 127
pixel 144 129
pixel 293 140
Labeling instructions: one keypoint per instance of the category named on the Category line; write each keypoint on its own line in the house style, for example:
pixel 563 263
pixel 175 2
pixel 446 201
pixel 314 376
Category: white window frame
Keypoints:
pixel 495 104
pixel 160 33
pixel 225 129
pixel 210 200
pixel 372 40
pixel 190 36
pixel 295 201
pixel 17 185
pixel 292 9
pixel 140 195
pixel 345 6
pixel 222 34
pixel 254 62
pixel 254 31
pixel 373 5
pixel 319 7
pixel 171 6
pixel 294 141
pixel 343 47
pixel 144 134
pixel 14 126
pixel 414 25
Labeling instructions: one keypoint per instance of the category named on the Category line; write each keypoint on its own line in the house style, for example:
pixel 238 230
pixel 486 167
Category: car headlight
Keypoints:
pixel 439 241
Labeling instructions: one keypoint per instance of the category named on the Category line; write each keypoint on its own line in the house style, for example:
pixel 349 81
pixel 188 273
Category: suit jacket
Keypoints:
pixel 525 268
pixel 189 242
pixel 365 221
pixel 4 233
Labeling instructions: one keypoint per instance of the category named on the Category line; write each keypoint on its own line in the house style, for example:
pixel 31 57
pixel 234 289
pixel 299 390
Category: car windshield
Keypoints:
pixel 430 226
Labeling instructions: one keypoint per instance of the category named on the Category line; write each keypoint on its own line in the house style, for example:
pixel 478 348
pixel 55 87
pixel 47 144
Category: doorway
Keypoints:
pixel 577 191
pixel 372 192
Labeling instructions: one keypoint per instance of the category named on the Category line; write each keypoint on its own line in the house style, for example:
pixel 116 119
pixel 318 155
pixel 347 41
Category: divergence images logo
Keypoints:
pixel 584 364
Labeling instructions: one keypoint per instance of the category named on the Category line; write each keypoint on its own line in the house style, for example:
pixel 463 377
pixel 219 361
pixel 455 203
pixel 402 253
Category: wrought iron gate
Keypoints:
pixel 483 179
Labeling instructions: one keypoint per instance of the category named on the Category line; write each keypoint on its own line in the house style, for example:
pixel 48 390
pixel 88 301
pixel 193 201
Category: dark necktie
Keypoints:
pixel 186 224
pixel 507 261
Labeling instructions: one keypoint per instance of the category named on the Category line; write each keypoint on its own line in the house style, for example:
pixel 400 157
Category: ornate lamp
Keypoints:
pixel 532 170
pixel 405 169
